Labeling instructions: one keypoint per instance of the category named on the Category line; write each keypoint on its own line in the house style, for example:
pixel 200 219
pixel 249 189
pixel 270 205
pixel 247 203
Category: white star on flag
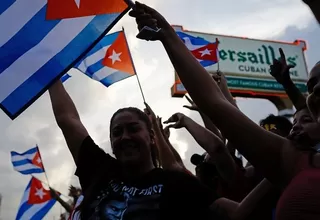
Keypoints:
pixel 38 160
pixel 205 52
pixel 77 3
pixel 115 57
pixel 40 193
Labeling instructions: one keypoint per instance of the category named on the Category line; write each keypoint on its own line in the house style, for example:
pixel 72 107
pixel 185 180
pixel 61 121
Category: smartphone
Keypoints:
pixel 148 33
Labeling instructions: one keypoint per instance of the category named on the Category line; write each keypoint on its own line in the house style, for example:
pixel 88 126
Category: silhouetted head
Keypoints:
pixel 277 124
pixel 305 130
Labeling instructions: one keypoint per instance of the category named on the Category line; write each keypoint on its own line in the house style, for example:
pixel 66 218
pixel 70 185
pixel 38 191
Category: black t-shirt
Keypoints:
pixel 159 194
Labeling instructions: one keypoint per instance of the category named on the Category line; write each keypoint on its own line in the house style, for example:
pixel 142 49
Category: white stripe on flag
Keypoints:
pixel 23 13
pixel 92 59
pixel 28 214
pixel 25 167
pixel 103 73
pixel 25 196
pixel 58 38
pixel 22 157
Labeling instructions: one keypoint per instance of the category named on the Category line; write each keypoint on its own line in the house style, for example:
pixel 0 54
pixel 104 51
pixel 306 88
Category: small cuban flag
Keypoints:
pixel 41 40
pixel 28 162
pixel 204 51
pixel 36 202
pixel 109 61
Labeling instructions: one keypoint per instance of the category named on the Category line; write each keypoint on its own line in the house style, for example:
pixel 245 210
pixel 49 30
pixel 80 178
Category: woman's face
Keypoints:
pixel 305 130
pixel 130 138
pixel 313 100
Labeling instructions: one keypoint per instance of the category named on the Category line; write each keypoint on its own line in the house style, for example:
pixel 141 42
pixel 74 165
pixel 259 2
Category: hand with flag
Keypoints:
pixel 146 16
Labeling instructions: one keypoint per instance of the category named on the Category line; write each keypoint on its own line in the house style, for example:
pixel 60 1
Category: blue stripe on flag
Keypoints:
pixel 65 77
pixel 18 44
pixel 205 63
pixel 21 162
pixel 94 68
pixel 114 77
pixel 30 151
pixel 106 41
pixel 23 207
pixel 18 100
pixel 44 210
pixel 5 4
pixel 30 171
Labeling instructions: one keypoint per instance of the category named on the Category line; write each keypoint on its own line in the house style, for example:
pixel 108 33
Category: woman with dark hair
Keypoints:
pixel 279 159
pixel 150 192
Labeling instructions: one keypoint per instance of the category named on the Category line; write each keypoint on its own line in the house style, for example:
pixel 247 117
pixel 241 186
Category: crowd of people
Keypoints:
pixel 147 179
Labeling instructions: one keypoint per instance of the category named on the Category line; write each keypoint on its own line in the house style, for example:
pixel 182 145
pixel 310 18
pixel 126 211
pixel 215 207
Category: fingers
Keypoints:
pixel 173 118
pixel 140 6
pixel 291 66
pixel 189 99
pixel 282 55
pixel 188 107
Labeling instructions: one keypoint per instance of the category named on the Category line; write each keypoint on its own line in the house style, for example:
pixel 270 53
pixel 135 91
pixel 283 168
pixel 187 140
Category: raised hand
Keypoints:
pixel 280 70
pixel 150 113
pixel 146 16
pixel 53 193
pixel 192 106
pixel 165 131
pixel 177 120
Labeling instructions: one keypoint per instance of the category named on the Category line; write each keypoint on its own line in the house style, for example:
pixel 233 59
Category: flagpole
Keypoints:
pixel 218 65
pixel 45 173
pixel 134 68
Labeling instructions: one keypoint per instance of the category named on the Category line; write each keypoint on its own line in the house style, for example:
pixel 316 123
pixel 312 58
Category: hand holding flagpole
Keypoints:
pixel 146 33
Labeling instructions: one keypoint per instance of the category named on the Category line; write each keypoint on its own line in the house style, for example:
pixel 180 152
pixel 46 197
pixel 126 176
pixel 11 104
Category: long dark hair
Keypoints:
pixel 154 154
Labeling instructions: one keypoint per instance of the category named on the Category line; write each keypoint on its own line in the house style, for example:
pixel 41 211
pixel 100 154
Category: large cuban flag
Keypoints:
pixel 41 40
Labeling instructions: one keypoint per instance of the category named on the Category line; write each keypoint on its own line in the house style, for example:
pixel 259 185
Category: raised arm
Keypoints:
pixel 67 118
pixel 168 158
pixel 256 144
pixel 210 142
pixel 206 120
pixel 281 72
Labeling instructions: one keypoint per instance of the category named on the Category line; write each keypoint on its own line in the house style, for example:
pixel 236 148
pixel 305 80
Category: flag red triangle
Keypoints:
pixel 37 160
pixel 118 56
pixel 61 9
pixel 38 194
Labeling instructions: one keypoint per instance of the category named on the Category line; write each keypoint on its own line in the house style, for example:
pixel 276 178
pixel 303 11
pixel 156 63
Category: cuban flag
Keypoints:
pixel 204 51
pixel 36 202
pixel 41 40
pixel 28 162
pixel 109 61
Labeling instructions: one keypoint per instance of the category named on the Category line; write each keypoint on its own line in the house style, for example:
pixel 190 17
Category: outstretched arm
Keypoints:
pixel 210 142
pixel 67 118
pixel 281 72
pixel 168 159
pixel 256 144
